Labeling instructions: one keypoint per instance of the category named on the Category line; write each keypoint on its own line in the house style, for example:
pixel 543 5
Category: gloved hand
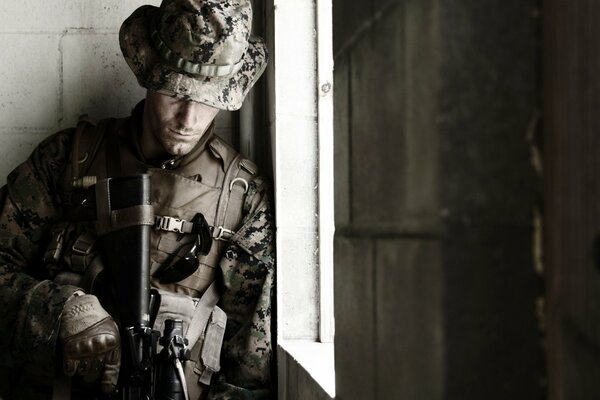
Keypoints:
pixel 91 341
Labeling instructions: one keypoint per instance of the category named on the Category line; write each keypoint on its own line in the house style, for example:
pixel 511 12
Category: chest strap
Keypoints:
pixel 177 225
pixel 229 209
pixel 172 224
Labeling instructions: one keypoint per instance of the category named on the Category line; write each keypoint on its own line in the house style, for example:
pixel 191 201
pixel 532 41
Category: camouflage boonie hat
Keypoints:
pixel 198 50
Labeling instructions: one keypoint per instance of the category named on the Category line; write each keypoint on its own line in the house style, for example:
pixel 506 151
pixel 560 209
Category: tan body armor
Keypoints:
pixel 213 180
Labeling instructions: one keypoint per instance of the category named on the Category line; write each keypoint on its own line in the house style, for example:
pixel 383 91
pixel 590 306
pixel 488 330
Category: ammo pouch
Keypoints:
pixel 204 327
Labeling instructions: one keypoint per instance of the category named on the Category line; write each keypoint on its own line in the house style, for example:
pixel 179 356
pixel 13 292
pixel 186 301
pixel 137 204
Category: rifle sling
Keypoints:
pixel 205 306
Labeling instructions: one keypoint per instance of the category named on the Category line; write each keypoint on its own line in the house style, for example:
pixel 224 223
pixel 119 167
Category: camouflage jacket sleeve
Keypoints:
pixel 31 305
pixel 248 273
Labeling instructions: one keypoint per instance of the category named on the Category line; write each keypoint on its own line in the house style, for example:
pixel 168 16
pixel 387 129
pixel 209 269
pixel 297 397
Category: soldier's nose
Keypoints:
pixel 186 117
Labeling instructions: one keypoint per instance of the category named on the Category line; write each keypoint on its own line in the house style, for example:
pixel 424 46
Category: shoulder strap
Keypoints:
pixel 204 308
pixel 88 138
pixel 231 201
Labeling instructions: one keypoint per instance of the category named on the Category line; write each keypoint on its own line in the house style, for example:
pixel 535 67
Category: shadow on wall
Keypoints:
pixel 92 78
pixel 96 78
pixel 59 62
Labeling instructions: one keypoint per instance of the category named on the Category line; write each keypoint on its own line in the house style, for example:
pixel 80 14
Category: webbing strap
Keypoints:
pixel 172 224
pixel 235 187
pixel 103 207
pixel 81 251
pixel 211 349
pixel 142 214
pixel 110 220
pixel 204 308
pixel 89 136
pixel 193 68
pixel 238 188
pixel 208 351
pixel 81 141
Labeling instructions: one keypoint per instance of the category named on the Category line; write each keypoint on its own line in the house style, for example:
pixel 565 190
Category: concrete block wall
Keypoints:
pixel 435 287
pixel 292 121
pixel 62 59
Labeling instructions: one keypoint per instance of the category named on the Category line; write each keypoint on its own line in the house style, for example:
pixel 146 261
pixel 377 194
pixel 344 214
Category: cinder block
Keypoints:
pixel 292 43
pixel 15 147
pixel 354 318
pixel 57 15
pixel 296 172
pixel 97 80
pixel 29 81
pixel 409 319
pixel 298 285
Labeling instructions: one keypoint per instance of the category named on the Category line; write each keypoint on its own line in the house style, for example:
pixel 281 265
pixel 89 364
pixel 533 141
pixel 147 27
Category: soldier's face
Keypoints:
pixel 176 125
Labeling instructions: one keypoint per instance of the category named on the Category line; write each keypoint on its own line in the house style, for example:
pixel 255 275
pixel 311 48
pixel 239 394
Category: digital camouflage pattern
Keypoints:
pixel 220 29
pixel 32 304
pixel 166 46
pixel 248 271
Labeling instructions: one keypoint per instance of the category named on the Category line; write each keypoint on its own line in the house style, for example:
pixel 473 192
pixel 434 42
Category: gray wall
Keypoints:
pixel 434 276
pixel 57 59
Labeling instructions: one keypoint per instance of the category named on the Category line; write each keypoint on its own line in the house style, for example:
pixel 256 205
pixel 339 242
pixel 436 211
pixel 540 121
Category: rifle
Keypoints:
pixel 125 219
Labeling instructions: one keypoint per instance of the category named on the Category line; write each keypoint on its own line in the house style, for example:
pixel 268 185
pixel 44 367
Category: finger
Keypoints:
pixel 103 343
pixel 95 374
pixel 114 357
pixel 70 366
pixel 84 366
pixel 111 372
pixel 97 365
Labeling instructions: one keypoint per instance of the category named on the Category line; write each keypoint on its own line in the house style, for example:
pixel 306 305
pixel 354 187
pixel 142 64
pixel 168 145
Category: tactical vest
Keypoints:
pixel 212 180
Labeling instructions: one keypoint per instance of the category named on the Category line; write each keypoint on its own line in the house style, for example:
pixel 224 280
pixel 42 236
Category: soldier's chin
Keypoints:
pixel 177 149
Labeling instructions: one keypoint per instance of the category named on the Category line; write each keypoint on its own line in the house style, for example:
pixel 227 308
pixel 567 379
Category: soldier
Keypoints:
pixel 195 57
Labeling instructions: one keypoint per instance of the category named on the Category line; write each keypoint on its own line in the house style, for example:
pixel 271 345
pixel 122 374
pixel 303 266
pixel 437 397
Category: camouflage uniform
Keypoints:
pixel 32 304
